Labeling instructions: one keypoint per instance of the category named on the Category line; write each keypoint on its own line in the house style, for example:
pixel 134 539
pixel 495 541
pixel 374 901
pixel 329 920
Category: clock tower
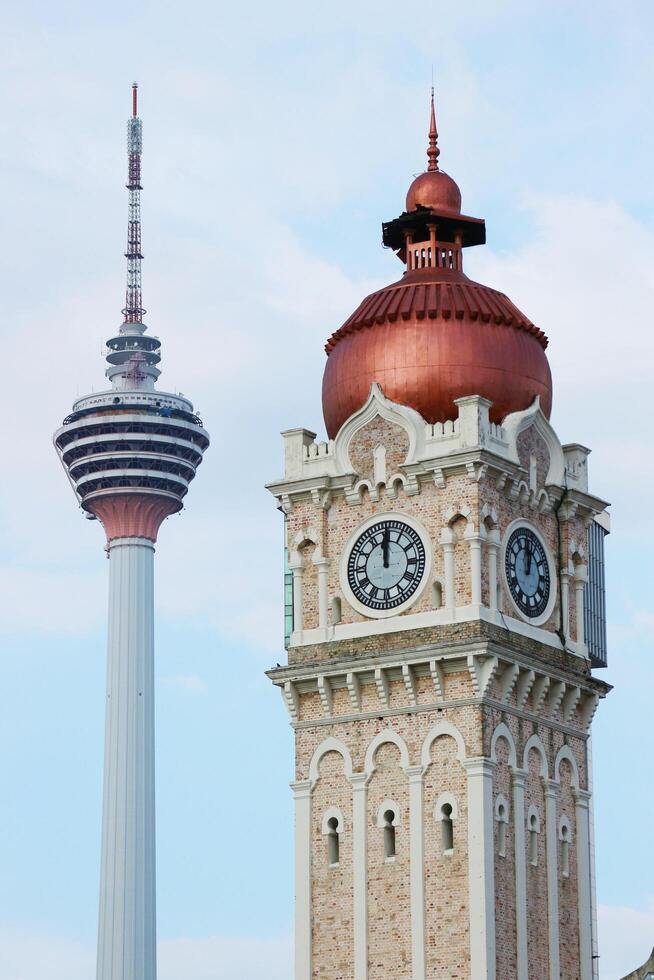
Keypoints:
pixel 445 613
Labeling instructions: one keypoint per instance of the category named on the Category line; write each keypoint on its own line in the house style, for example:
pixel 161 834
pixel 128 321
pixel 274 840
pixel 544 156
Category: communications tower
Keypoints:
pixel 130 453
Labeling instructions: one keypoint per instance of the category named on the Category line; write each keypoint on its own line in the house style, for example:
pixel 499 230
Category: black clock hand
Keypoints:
pixel 527 556
pixel 385 540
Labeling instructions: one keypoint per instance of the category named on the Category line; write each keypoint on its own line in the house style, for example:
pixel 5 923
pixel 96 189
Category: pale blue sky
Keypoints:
pixel 277 138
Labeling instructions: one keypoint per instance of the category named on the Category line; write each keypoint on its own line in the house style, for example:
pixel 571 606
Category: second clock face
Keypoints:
pixel 528 572
pixel 386 564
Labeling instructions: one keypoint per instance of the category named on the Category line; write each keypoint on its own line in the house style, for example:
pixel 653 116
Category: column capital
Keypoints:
pixel 302 789
pixel 582 797
pixel 415 773
pixel 296 565
pixel 447 539
pixel 321 561
pixel 493 539
pixel 551 787
pixel 519 776
pixel 479 766
pixel 359 780
pixel 474 535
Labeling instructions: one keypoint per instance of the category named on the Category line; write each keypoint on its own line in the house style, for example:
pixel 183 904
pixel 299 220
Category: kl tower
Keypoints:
pixel 130 453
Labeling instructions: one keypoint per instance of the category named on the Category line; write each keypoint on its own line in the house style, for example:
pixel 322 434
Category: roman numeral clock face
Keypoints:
pixel 386 565
pixel 527 572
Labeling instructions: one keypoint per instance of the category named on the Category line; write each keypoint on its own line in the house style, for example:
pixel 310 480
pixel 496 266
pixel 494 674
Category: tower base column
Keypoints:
pixel 127 920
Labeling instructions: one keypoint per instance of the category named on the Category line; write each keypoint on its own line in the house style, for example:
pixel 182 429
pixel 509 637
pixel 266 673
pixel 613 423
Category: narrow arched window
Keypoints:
pixel 437 595
pixel 565 850
pixel 447 828
pixel 533 840
pixel 389 834
pixel 501 830
pixel 336 611
pixel 333 842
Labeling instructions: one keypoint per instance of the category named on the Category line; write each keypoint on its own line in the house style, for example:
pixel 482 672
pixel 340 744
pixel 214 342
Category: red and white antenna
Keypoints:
pixel 133 311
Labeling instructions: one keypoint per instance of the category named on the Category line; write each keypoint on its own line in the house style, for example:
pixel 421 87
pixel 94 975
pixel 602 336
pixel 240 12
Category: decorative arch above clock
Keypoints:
pixel 378 405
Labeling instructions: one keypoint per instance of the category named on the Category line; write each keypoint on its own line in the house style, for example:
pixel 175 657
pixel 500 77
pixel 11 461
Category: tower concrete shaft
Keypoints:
pixel 130 453
pixel 127 920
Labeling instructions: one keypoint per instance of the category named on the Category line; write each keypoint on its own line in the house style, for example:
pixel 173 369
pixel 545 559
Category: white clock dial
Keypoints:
pixel 386 564
pixel 528 572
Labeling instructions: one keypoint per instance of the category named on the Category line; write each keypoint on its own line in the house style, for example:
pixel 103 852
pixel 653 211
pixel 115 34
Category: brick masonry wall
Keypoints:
pixel 505 906
pixel 568 912
pixel 332 921
pixel 389 903
pixel 446 875
pixel 537 914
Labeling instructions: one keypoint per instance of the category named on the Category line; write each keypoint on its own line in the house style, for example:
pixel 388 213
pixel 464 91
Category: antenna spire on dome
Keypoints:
pixel 433 152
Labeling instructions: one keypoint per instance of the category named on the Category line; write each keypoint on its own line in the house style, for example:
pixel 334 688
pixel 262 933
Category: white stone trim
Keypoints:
pixel 533 813
pixel 434 617
pixel 330 744
pixel 565 752
pixel 378 405
pixel 501 800
pixel 302 794
pixel 533 417
pixel 503 731
pixel 584 884
pixel 383 614
pixel 525 522
pixel 518 785
pixel 386 735
pixel 359 783
pixel 481 867
pixel 442 728
pixel 534 742
pixel 332 813
pixel 417 859
pixel 443 799
pixel 552 852
pixel 386 805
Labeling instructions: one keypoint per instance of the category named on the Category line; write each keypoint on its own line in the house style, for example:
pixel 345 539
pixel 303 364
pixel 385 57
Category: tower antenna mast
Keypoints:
pixel 134 311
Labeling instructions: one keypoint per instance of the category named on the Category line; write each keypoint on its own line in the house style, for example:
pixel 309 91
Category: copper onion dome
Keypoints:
pixel 435 335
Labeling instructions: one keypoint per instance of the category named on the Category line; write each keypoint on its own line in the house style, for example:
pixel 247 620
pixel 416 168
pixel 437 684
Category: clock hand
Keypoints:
pixel 527 557
pixel 385 539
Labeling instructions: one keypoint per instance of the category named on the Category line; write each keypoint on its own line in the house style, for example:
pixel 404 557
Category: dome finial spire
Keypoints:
pixel 433 152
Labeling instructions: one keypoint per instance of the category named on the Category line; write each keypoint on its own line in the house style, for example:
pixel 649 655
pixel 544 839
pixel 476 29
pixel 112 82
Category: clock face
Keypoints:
pixel 386 564
pixel 527 572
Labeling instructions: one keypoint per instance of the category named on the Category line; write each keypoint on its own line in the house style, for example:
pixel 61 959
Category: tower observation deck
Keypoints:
pixel 130 453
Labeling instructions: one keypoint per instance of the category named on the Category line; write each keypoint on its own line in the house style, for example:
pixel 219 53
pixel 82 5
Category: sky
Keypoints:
pixel 276 140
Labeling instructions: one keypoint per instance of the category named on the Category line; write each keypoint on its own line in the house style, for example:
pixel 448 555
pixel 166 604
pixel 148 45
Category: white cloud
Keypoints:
pixel 626 937
pixel 27 955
